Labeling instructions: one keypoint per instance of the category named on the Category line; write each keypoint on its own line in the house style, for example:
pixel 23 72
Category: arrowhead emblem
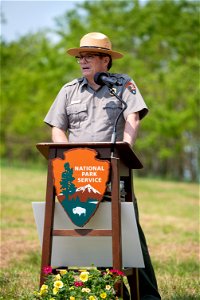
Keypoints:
pixel 80 181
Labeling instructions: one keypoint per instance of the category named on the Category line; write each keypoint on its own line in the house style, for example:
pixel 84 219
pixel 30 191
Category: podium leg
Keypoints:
pixel 48 219
pixel 116 216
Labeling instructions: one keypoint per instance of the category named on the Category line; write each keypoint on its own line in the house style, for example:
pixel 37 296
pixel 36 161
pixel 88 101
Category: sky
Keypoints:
pixel 23 17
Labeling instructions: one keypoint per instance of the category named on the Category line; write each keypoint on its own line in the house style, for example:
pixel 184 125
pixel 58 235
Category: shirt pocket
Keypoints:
pixel 112 110
pixel 76 113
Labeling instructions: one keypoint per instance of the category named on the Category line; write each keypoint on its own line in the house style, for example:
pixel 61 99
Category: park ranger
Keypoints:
pixel 85 111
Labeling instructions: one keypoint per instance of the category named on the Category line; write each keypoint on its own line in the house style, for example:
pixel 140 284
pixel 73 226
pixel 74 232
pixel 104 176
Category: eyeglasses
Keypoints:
pixel 88 58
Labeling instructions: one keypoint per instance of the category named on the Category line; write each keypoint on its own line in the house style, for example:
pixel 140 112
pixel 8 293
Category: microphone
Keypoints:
pixel 102 78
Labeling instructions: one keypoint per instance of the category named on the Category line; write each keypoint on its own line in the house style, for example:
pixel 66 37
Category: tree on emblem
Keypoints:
pixel 68 188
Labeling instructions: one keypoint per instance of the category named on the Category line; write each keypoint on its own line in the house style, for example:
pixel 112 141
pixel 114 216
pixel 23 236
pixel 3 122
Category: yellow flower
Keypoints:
pixel 108 287
pixel 71 298
pixel 103 295
pixel 58 284
pixel 57 277
pixel 87 290
pixel 92 298
pixel 55 290
pixel 44 287
pixel 63 272
pixel 84 276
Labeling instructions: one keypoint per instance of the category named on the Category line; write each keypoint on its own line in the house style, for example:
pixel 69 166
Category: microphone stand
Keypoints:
pixel 114 134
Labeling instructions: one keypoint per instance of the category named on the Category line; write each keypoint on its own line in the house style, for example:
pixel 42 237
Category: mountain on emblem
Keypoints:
pixel 87 192
pixel 89 188
pixel 80 166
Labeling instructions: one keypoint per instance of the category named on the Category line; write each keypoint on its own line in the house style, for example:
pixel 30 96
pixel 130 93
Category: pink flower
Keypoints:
pixel 47 270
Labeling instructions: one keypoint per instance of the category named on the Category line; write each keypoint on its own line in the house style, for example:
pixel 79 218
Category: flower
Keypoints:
pixel 55 290
pixel 57 277
pixel 87 290
pixel 108 287
pixel 78 283
pixel 90 284
pixel 58 284
pixel 103 295
pixel 47 270
pixel 84 276
pixel 63 272
pixel 43 289
pixel 119 273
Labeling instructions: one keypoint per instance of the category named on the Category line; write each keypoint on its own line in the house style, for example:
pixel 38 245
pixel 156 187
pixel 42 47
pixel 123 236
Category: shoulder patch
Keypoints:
pixel 131 87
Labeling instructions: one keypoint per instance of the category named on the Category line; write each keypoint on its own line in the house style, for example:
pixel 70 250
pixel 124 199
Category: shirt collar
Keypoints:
pixel 83 82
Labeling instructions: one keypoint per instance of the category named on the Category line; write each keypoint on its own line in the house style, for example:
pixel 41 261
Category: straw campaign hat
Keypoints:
pixel 95 42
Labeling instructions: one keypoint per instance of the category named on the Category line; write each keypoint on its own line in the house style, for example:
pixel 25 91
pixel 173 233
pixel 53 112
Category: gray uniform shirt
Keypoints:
pixel 88 115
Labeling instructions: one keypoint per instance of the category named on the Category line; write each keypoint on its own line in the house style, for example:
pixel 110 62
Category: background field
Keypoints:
pixel 168 213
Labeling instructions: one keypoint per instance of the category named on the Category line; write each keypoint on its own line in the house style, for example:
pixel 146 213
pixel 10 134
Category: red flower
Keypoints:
pixel 47 270
pixel 78 283
pixel 119 273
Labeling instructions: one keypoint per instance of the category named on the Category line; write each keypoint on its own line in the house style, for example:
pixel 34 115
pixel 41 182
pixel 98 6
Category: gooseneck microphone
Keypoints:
pixel 102 78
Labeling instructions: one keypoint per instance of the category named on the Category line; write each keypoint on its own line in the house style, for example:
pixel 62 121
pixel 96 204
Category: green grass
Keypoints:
pixel 169 214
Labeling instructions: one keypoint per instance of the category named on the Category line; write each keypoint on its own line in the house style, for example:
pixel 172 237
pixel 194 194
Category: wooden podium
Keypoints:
pixel 122 161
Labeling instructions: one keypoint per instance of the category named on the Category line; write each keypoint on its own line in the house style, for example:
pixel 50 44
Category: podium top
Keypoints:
pixel 122 150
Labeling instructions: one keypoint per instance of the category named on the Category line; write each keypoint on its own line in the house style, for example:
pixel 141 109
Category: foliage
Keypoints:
pixel 90 284
pixel 160 40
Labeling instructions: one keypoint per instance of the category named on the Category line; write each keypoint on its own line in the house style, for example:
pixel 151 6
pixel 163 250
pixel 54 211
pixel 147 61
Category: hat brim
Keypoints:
pixel 77 51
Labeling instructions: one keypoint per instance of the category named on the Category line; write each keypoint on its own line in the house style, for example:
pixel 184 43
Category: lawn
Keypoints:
pixel 169 214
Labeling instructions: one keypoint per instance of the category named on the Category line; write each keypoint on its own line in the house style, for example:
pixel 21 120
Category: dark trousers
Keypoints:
pixel 147 281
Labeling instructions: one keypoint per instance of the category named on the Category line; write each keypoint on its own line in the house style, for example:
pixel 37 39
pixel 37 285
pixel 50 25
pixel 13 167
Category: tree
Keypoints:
pixel 68 188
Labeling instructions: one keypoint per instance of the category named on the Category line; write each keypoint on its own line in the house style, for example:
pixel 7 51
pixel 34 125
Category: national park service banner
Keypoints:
pixel 80 181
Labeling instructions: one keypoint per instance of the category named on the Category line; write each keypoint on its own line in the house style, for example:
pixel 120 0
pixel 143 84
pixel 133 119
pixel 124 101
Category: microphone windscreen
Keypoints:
pixel 98 78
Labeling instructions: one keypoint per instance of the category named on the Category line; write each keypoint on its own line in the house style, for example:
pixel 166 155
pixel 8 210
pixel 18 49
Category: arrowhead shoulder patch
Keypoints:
pixel 131 87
